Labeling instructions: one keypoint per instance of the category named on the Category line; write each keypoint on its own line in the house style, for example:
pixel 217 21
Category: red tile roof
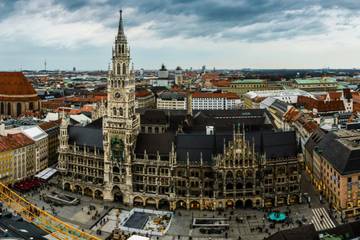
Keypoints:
pixel 85 99
pixel 68 110
pixel 14 141
pixel 53 104
pixel 321 106
pixel 87 108
pixel 356 107
pixel 15 83
pixel 310 126
pixel 321 97
pixel 142 93
pixel 221 83
pixel 48 125
pixel 292 115
pixel 210 76
pixel 334 95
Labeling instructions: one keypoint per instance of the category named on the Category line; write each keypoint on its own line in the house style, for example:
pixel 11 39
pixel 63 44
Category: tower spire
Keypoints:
pixel 121 25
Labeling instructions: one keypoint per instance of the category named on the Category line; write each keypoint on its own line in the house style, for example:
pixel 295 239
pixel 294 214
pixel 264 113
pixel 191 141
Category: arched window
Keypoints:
pixel 2 110
pixel 124 68
pixel 116 179
pixel 9 109
pixel 18 109
pixel 121 111
pixel 118 68
pixel 122 48
pixel 31 106
pixel 114 111
pixel 116 170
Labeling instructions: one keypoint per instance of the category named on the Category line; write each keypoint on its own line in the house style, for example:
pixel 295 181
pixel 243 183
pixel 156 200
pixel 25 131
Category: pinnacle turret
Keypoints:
pixel 121 25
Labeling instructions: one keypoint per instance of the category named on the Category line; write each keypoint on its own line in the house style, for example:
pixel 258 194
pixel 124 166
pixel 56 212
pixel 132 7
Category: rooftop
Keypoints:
pixel 33 132
pixel 341 149
pixel 14 141
pixel 249 81
pixel 172 96
pixel 15 83
pixel 315 80
pixel 278 93
pixel 215 95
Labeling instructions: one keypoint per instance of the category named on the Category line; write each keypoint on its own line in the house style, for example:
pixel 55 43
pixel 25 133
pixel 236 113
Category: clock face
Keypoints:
pixel 117 95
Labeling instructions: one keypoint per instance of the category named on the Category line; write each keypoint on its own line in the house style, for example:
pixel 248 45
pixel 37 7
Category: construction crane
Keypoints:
pixel 42 219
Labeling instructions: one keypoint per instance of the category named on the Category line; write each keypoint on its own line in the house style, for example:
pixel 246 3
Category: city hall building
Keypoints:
pixel 177 159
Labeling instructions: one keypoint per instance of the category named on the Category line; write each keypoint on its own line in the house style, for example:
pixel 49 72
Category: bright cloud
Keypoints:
pixel 228 33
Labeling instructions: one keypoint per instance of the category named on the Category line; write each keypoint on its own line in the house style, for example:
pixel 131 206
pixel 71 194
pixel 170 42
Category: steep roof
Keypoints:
pixel 314 139
pixel 194 143
pixel 197 145
pixel 321 106
pixel 15 83
pixel 90 135
pixel 49 125
pixel 153 117
pixel 86 136
pixel 342 150
pixel 344 231
pixel 154 143
pixel 14 141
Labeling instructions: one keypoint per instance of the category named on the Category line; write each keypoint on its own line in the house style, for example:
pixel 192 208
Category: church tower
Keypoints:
pixel 121 124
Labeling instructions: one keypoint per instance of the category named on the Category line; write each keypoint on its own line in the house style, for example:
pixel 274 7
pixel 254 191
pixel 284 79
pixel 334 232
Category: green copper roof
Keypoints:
pixel 315 80
pixel 247 81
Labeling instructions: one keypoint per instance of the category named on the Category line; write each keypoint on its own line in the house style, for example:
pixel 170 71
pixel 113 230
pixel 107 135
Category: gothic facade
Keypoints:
pixel 177 159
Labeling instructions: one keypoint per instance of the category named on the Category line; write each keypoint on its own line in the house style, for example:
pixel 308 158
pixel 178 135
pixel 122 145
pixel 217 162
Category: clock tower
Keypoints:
pixel 121 123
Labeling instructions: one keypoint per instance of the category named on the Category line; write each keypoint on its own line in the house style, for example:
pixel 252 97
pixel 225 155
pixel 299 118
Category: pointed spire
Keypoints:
pixel 121 25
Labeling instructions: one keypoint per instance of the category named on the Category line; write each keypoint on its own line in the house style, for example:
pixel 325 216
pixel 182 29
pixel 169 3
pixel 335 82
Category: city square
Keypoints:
pixel 179 120
pixel 94 215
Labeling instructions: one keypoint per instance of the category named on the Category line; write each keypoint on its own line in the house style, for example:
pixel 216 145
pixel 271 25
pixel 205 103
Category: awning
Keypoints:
pixel 46 173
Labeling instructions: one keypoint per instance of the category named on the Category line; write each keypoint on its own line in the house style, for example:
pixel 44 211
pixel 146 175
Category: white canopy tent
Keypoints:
pixel 46 173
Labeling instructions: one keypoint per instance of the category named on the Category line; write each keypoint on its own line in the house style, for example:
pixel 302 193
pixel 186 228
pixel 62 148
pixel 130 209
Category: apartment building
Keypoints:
pixel 171 100
pixel 332 160
pixel 215 101
pixel 16 153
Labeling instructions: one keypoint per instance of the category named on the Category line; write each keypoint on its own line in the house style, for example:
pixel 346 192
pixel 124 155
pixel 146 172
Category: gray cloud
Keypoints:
pixel 243 20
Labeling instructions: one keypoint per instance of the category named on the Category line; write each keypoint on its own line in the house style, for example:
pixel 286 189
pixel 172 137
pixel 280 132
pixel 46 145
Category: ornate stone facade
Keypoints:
pixel 176 160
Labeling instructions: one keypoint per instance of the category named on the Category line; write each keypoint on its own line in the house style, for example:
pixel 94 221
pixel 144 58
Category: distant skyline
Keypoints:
pixel 229 34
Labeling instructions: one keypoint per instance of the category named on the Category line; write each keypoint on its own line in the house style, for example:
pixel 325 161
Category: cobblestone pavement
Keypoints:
pixel 253 221
pixel 254 225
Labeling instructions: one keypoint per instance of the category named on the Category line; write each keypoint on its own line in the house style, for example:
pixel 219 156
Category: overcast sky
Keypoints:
pixel 215 33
